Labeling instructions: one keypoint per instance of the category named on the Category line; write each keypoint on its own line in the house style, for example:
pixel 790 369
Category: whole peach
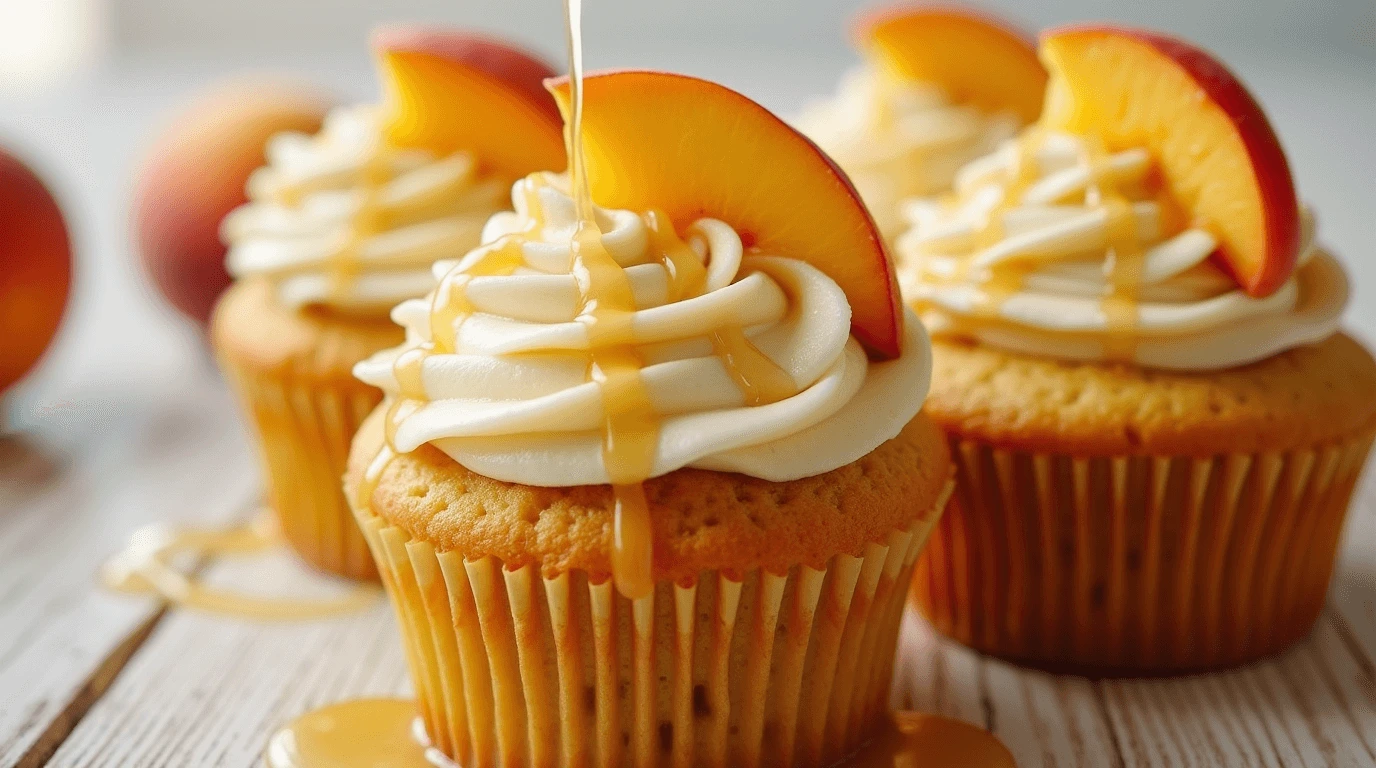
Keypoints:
pixel 35 269
pixel 195 174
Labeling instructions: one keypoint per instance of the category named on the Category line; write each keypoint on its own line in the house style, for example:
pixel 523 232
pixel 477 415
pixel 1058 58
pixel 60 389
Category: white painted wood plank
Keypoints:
pixel 1354 585
pixel 1313 706
pixel 208 690
pixel 170 455
pixel 1046 720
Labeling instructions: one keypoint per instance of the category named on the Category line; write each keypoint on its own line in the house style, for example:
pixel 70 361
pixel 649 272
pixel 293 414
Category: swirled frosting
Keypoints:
pixel 1051 246
pixel 515 399
pixel 900 139
pixel 344 220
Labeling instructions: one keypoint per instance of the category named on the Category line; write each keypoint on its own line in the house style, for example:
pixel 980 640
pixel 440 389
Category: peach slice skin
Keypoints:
pixel 978 59
pixel 693 148
pixel 450 91
pixel 1218 155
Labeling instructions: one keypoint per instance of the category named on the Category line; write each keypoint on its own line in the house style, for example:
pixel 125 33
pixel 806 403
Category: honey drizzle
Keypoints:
pixel 361 733
pixel 345 264
pixel 1127 251
pixel 1125 271
pixel 369 733
pixel 630 432
pixel 145 567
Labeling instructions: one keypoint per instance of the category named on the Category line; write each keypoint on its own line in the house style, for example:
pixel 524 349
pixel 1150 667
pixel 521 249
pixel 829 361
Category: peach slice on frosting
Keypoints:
pixel 976 58
pixel 449 90
pixel 693 148
pixel 1218 156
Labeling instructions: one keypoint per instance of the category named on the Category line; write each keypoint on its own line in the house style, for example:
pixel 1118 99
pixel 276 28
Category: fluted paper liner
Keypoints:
pixel 515 667
pixel 304 428
pixel 1136 565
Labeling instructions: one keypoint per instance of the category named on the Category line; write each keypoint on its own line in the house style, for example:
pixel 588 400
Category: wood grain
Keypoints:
pixel 105 681
pixel 122 465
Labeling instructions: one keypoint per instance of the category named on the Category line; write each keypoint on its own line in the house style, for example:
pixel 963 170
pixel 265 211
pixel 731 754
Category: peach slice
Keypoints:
pixel 978 59
pixel 692 148
pixel 1218 155
pixel 35 269
pixel 451 90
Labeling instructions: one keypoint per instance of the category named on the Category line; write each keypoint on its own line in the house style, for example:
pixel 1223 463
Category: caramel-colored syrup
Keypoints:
pixel 145 567
pixel 1119 304
pixel 346 264
pixel 607 311
pixel 386 733
pixel 362 733
pixel 1128 254
pixel 920 740
pixel 1007 279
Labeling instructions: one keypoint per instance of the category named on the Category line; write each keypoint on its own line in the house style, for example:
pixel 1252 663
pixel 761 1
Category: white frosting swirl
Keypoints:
pixel 514 401
pixel 900 139
pixel 1045 283
pixel 344 220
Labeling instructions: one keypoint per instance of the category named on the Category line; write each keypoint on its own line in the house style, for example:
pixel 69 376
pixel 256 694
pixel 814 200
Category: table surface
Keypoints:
pixel 128 424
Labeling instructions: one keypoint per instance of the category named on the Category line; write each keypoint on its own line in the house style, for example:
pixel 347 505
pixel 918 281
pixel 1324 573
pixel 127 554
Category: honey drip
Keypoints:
pixel 386 733
pixel 346 263
pixel 1128 257
pixel 630 431
pixel 145 567
pixel 362 733
pixel 1127 253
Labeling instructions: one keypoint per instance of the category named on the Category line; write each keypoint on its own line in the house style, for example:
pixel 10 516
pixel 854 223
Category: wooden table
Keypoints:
pixel 89 678
pixel 128 425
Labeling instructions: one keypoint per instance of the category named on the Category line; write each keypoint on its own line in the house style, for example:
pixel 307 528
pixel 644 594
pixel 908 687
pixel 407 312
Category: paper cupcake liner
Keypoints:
pixel 515 667
pixel 1136 565
pixel 304 428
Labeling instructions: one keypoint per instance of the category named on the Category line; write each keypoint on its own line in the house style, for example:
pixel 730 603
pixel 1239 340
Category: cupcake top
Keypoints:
pixel 939 87
pixel 744 359
pixel 342 219
pixel 1105 234
pixel 1054 246
pixel 899 138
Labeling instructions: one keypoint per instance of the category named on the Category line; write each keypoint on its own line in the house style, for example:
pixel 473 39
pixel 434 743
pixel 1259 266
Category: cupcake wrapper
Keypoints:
pixel 1136 565
pixel 513 667
pixel 304 431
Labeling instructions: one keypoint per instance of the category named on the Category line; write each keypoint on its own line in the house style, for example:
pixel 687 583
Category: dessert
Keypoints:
pixel 940 86
pixel 1156 421
pixel 344 224
pixel 645 489
pixel 35 270
pixel 195 173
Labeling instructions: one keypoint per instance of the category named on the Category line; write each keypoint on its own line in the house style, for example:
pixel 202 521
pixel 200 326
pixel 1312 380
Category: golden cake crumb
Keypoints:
pixel 254 329
pixel 1306 396
pixel 701 520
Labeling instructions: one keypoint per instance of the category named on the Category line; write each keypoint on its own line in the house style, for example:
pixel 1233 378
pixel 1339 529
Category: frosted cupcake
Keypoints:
pixel 340 227
pixel 939 87
pixel 639 492
pixel 1156 421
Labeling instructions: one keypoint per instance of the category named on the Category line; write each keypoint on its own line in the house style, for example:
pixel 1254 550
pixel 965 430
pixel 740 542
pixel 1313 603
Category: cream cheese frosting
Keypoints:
pixel 900 139
pixel 342 219
pixel 515 401
pixel 1051 246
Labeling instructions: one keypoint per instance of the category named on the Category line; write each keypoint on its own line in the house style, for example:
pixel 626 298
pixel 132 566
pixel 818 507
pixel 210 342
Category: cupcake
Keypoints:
pixel 342 225
pixel 650 480
pixel 1156 422
pixel 939 87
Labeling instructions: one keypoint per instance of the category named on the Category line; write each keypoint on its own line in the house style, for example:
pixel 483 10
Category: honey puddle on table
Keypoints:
pixel 386 733
pixel 146 566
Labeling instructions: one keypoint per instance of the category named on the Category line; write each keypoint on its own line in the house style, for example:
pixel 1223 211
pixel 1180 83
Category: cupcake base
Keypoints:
pixel 516 667
pixel 292 372
pixel 1136 565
